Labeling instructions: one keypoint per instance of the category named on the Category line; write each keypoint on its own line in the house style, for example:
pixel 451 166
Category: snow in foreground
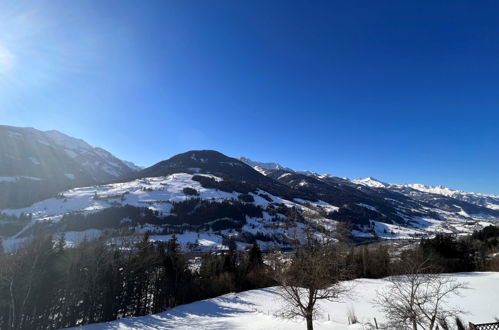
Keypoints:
pixel 258 309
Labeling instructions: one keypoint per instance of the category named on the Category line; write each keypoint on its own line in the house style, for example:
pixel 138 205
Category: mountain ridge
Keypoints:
pixel 35 164
pixel 206 192
pixel 480 199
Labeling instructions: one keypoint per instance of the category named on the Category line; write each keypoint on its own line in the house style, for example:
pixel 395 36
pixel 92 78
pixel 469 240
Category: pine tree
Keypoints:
pixel 254 257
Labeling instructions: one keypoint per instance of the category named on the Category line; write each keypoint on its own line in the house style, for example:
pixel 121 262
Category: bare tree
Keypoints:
pixel 419 299
pixel 7 276
pixel 312 274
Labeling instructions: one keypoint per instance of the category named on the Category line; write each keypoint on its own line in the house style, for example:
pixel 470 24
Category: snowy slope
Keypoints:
pixel 266 166
pixel 36 164
pixel 370 182
pixel 34 145
pixel 160 194
pixel 101 164
pixel 283 203
pixel 259 309
pixel 263 167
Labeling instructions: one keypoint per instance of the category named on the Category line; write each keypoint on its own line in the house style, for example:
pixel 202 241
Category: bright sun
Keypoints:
pixel 7 59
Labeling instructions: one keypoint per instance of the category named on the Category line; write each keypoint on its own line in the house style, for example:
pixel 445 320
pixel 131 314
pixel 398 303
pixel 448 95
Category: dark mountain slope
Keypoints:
pixel 236 175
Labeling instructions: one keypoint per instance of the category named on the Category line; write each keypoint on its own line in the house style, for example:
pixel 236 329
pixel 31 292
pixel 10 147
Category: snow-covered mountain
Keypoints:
pixel 370 182
pixel 99 163
pixel 417 189
pixel 204 196
pixel 263 167
pixel 436 196
pixel 489 201
pixel 35 164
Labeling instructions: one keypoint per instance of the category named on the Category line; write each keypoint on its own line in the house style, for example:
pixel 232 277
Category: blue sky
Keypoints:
pixel 404 92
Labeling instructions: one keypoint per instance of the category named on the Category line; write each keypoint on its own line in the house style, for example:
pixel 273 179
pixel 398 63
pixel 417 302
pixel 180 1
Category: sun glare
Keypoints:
pixel 7 59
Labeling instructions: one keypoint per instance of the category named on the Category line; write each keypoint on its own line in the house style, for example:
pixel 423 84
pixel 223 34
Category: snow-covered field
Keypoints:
pixel 156 193
pixel 259 309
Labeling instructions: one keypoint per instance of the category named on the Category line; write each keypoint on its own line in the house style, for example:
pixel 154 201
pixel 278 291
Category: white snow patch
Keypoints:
pixel 493 206
pixel 369 207
pixel 34 160
pixel 259 309
pixel 370 182
pixel 71 153
pixel 73 238
pixel 194 241
pixel 328 207
pixel 283 176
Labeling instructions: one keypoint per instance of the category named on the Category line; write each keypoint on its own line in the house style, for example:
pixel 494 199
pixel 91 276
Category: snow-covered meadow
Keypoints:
pixel 259 309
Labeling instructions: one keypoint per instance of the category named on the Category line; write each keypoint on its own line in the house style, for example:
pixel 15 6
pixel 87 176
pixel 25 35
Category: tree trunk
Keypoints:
pixel 12 304
pixel 310 324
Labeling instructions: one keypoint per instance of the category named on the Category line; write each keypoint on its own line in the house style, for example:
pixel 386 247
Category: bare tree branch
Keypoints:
pixel 310 275
pixel 419 299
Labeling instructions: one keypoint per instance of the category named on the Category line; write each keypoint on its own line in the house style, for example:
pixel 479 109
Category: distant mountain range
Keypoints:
pixel 58 184
pixel 417 190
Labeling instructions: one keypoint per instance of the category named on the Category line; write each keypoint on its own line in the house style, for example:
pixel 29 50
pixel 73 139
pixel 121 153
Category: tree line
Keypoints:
pixel 47 286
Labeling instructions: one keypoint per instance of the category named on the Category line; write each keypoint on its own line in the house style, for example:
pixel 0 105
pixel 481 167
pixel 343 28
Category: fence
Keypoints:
pixel 485 326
